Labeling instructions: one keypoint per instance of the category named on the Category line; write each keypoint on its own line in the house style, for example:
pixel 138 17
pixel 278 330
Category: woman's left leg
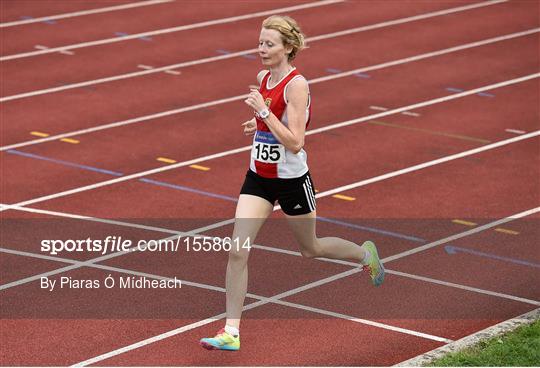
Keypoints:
pixel 304 229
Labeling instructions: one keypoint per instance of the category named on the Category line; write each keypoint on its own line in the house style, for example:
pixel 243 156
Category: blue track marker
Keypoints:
pixel 453 250
pixel 209 194
pixel 333 70
pixel 25 17
pixel 485 94
pixel 187 189
pixel 249 56
pixel 362 75
pixel 452 89
pixel 372 229
pixel 65 163
pixel 223 52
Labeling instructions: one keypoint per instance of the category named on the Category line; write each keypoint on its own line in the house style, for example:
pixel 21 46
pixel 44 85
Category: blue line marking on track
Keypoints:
pixel 213 195
pixel 485 94
pixel 362 75
pixel 249 56
pixel 121 34
pixel 452 89
pixel 25 17
pixel 66 163
pixel 333 70
pixel 371 229
pixel 453 250
pixel 145 38
pixel 187 189
pixel 223 52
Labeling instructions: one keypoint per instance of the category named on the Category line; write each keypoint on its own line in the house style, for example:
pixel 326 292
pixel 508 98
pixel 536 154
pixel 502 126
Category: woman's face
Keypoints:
pixel 271 48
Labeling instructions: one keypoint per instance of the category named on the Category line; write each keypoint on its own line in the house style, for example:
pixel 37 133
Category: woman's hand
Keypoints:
pixel 250 127
pixel 255 100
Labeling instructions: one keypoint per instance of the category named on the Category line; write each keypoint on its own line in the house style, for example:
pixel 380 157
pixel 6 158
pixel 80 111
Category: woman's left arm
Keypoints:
pixel 292 137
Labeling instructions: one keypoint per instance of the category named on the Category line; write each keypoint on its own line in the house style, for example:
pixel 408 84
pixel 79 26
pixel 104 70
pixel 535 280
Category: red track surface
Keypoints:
pixel 70 326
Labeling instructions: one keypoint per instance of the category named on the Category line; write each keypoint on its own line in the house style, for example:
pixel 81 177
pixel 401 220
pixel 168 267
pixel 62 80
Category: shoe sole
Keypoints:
pixel 208 346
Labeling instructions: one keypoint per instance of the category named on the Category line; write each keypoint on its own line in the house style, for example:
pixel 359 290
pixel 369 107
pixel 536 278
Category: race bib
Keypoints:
pixel 266 148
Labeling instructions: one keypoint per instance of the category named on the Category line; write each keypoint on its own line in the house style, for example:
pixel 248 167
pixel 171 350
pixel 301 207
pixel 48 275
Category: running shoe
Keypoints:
pixel 222 341
pixel 375 266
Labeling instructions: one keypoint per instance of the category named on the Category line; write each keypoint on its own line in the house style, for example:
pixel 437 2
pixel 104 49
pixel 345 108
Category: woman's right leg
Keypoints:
pixel 251 212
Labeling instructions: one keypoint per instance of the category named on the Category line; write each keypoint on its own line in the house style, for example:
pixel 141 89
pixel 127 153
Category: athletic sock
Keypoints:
pixel 232 330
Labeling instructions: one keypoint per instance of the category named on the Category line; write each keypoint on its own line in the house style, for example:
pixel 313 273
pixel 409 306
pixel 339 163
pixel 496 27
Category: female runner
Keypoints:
pixel 278 171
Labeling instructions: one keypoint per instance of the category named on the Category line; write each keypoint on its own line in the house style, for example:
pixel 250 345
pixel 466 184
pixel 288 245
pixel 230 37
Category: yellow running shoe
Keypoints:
pixel 222 341
pixel 375 266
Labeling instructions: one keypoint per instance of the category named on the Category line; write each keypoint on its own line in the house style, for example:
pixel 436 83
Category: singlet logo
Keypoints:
pixel 268 101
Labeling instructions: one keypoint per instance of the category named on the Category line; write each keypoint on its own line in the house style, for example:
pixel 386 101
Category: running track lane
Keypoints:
pixel 166 49
pixel 109 159
pixel 88 111
pixel 22 39
pixel 43 8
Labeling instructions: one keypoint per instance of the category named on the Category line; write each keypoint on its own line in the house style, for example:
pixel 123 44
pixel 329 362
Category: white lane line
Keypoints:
pixel 176 29
pixel 167 67
pixel 320 130
pixel 465 287
pixel 200 233
pixel 461 235
pixel 473 339
pixel 223 290
pixel 378 108
pixel 146 67
pixel 241 97
pixel 515 131
pixel 411 276
pixel 222 315
pixel 83 12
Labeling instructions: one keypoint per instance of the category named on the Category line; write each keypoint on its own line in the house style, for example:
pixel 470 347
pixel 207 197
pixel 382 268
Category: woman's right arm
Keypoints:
pixel 250 126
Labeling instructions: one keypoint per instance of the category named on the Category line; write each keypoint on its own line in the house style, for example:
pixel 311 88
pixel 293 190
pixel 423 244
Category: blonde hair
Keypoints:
pixel 291 34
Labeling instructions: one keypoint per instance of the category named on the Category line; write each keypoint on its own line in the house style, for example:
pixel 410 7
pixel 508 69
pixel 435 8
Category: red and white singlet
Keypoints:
pixel 269 158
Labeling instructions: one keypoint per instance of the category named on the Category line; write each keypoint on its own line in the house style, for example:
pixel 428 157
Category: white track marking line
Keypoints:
pixel 316 131
pixel 247 307
pixel 378 108
pixel 499 329
pixel 464 287
pixel 515 131
pixel 241 97
pixel 461 235
pixel 83 12
pixel 222 290
pixel 257 246
pixel 167 67
pixel 176 29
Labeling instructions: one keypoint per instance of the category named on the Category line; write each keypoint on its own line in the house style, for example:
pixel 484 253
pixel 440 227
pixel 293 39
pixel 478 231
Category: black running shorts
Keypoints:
pixel 296 196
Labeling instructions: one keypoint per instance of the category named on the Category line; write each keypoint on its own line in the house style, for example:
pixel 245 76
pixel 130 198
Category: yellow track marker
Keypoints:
pixel 166 160
pixel 344 197
pixel 463 222
pixel 506 231
pixel 69 140
pixel 198 167
pixel 39 134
